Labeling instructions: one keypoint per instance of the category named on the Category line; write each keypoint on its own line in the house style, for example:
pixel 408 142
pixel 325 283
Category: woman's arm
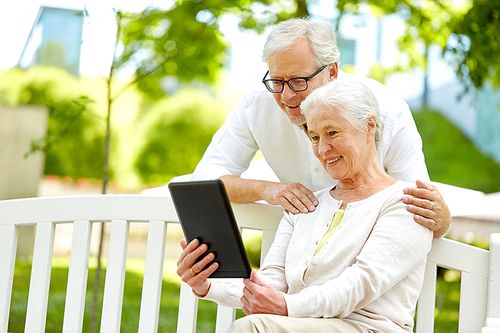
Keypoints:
pixel 228 292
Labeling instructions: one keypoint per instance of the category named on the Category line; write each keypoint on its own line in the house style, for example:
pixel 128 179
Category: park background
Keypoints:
pixel 178 67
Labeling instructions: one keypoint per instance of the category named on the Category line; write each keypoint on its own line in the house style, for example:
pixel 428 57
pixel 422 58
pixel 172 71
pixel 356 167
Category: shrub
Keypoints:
pixel 75 138
pixel 177 130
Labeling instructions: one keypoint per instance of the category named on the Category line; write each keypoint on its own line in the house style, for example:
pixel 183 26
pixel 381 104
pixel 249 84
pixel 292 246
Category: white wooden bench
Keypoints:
pixel 480 282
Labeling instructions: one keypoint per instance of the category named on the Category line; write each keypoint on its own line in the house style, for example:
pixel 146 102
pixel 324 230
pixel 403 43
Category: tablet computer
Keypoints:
pixel 205 213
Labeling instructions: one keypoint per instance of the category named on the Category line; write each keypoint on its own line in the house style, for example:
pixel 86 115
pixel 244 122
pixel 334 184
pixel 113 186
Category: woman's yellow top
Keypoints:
pixel 337 218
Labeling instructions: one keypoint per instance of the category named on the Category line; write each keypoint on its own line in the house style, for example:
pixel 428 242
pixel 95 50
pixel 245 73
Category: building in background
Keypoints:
pixel 54 40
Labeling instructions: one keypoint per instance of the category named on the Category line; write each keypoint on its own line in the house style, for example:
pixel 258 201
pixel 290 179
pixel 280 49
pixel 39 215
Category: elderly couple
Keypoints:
pixel 348 257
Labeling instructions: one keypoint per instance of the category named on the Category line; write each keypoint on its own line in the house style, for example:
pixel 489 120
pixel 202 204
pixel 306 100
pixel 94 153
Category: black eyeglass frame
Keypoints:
pixel 306 79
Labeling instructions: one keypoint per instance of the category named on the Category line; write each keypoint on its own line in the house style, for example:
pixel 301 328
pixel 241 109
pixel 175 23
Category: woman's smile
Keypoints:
pixel 333 160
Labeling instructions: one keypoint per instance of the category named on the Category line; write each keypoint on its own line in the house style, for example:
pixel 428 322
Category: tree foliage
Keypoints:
pixel 185 41
pixel 426 22
pixel 467 33
pixel 477 52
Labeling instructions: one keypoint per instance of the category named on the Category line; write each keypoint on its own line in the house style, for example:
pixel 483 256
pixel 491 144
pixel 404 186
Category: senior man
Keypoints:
pixel 302 55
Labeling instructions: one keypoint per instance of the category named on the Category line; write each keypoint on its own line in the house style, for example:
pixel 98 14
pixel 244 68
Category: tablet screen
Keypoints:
pixel 205 213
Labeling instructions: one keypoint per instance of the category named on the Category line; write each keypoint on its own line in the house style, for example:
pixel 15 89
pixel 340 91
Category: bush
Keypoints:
pixel 75 139
pixel 178 131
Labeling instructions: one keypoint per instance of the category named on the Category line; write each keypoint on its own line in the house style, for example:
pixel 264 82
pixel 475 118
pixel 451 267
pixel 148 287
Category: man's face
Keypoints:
pixel 298 62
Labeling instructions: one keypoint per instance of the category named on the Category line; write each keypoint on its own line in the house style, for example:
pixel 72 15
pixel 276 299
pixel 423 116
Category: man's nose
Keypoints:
pixel 287 92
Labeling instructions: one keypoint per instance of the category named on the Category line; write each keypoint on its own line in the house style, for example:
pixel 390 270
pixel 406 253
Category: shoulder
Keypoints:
pixel 258 95
pixel 391 105
pixel 258 105
pixel 395 191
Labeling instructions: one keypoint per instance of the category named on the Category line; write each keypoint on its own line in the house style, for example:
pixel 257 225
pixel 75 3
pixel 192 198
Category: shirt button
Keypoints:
pixel 316 169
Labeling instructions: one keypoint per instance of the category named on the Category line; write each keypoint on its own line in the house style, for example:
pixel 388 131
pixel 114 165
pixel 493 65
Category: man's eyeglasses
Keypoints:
pixel 296 84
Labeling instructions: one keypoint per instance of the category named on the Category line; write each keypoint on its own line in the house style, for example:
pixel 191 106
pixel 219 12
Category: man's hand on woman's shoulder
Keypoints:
pixel 429 207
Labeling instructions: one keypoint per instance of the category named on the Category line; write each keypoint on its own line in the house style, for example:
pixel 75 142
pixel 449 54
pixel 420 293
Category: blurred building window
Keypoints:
pixel 54 40
pixel 347 48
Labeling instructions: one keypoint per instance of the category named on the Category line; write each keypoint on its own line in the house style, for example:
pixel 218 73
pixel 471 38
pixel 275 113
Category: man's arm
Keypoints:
pixel 294 197
pixel 405 161
pixel 429 207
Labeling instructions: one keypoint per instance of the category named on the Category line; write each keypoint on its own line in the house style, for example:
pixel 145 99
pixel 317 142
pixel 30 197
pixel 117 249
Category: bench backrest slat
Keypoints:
pixel 188 310
pixel 427 300
pixel 74 307
pixel 8 248
pixel 115 277
pixel 153 277
pixel 225 317
pixel 493 302
pixel 472 311
pixel 36 312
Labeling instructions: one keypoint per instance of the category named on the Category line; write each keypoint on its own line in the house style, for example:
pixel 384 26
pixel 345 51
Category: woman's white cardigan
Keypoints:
pixel 370 271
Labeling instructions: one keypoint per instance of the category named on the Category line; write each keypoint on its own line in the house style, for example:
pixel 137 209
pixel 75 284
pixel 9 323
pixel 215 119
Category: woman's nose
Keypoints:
pixel 324 147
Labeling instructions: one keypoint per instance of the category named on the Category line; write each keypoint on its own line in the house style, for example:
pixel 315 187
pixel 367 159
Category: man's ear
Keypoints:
pixel 333 71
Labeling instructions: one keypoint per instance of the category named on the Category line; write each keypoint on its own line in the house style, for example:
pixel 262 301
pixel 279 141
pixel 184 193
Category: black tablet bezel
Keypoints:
pixel 205 213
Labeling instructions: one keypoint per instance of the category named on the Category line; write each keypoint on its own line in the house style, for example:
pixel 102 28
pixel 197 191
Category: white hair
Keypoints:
pixel 355 100
pixel 320 35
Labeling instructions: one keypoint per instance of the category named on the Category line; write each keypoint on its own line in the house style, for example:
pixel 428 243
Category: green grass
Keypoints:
pixel 452 158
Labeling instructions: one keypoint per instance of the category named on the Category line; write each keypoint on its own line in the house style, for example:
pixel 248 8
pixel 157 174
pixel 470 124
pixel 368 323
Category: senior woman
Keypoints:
pixel 356 264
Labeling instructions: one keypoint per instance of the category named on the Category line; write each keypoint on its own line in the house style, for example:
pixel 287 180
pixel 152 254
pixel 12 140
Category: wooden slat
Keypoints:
pixel 36 313
pixel 258 215
pixel 494 277
pixel 115 277
pixel 472 312
pixel 77 277
pixel 153 277
pixel 427 301
pixel 102 207
pixel 493 303
pixel 459 256
pixel 225 317
pixel 8 248
pixel 267 241
pixel 188 310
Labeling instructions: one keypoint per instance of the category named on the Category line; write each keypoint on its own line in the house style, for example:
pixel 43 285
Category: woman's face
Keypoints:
pixel 342 148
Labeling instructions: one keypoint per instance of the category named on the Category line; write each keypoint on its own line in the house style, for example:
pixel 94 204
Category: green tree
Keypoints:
pixel 476 54
pixel 427 23
pixel 184 41
pixel 467 33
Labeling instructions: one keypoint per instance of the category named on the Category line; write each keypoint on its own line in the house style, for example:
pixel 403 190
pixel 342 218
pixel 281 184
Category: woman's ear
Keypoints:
pixel 371 125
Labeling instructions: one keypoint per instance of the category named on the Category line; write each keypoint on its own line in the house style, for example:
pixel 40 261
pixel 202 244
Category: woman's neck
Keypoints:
pixel 361 186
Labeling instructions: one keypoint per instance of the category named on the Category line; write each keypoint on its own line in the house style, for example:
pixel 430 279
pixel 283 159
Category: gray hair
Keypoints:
pixel 355 100
pixel 320 35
